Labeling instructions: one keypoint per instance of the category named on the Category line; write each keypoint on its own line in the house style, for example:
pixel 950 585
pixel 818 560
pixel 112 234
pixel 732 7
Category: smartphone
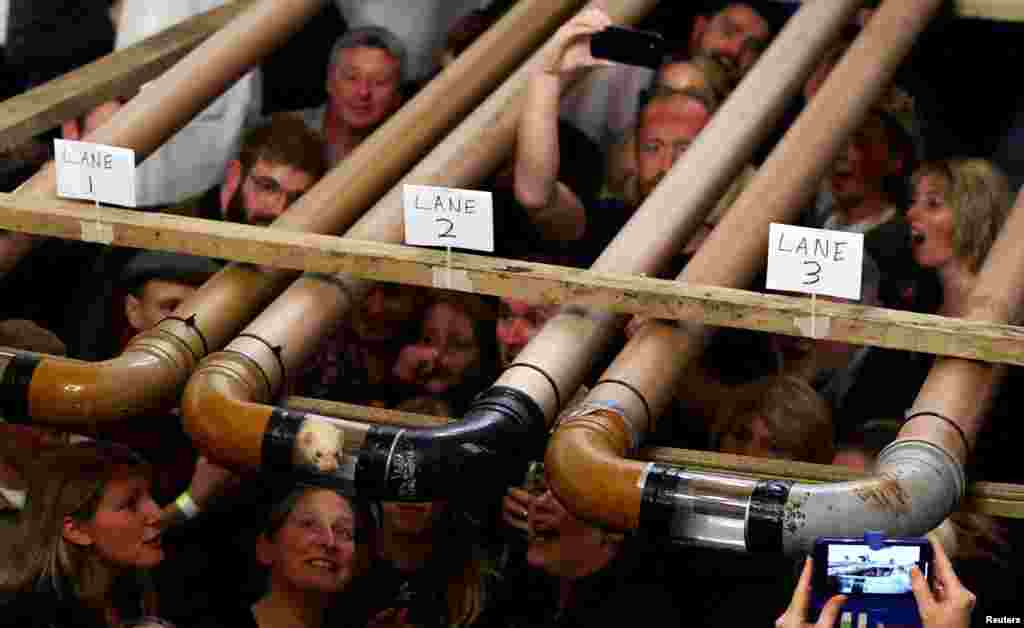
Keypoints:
pixel 629 46
pixel 535 483
pixel 876 580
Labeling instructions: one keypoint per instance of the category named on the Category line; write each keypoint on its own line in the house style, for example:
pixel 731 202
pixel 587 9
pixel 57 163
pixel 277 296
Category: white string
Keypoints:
pixel 814 330
pixel 448 264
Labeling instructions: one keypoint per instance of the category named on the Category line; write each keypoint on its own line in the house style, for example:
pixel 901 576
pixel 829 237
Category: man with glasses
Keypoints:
pixel 277 163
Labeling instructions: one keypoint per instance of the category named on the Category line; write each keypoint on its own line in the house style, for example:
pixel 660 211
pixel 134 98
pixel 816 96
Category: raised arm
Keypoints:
pixel 553 207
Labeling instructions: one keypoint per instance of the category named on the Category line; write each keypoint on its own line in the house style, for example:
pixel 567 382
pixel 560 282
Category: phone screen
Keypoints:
pixel 858 569
pixel 875 581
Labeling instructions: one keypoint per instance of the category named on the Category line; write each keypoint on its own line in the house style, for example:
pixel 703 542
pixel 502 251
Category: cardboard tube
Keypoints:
pixel 654 360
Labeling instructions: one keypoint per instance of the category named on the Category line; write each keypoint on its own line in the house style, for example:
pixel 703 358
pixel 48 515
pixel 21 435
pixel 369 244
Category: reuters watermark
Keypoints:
pixel 989 619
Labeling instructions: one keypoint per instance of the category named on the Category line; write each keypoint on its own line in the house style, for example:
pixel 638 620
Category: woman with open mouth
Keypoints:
pixel 87 536
pixel 958 210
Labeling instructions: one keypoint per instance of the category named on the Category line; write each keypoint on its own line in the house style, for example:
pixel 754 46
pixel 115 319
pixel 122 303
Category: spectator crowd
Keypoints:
pixel 83 540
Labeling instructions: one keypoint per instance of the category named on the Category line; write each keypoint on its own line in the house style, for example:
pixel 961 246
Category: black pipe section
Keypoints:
pixel 766 515
pixel 501 431
pixel 14 387
pixel 279 440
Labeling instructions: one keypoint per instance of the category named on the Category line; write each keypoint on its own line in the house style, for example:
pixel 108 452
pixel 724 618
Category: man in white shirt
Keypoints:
pixel 194 159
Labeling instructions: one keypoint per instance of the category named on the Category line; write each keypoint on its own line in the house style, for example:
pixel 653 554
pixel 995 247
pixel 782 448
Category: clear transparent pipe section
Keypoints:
pixel 705 509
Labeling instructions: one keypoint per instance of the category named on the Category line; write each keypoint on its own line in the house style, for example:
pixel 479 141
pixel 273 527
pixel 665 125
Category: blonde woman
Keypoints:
pixel 958 209
pixel 88 533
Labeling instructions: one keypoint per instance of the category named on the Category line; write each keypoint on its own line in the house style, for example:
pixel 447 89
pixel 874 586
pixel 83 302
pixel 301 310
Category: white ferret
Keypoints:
pixel 319 445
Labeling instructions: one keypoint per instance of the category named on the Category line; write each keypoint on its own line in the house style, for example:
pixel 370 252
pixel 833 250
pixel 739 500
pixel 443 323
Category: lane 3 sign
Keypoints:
pixel 815 261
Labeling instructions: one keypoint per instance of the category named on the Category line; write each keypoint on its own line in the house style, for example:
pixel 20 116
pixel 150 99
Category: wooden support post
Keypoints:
pixel 1004 10
pixel 528 281
pixel 118 75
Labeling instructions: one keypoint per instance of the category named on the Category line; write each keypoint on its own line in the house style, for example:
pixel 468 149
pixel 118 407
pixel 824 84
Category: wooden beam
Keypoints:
pixel 363 414
pixel 991 498
pixel 539 283
pixel 1002 10
pixel 117 75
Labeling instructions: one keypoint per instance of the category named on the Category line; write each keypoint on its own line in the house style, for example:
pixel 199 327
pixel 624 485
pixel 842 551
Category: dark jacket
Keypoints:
pixel 46 609
pixel 46 38
pixel 630 591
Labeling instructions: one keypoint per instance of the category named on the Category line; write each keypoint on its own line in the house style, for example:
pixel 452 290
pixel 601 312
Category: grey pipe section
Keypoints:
pixel 916 485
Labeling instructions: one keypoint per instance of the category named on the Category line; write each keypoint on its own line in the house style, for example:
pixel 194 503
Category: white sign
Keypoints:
pixel 449 217
pixel 94 172
pixel 815 261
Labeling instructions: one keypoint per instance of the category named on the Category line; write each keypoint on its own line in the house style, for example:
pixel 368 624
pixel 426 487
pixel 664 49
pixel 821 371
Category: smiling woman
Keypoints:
pixel 89 528
pixel 307 545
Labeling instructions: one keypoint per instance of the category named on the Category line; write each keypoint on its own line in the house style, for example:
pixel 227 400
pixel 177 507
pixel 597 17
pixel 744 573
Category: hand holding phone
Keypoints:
pixel 796 613
pixel 875 577
pixel 951 604
pixel 569 51
pixel 632 47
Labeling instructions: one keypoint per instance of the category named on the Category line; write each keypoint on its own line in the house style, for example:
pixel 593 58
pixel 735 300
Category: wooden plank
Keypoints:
pixel 117 75
pixel 363 414
pixel 539 283
pixel 991 498
pixel 1002 10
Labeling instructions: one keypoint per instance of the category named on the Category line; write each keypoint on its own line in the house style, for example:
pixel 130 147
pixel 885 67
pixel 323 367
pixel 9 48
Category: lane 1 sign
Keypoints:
pixel 94 172
pixel 815 261
pixel 449 217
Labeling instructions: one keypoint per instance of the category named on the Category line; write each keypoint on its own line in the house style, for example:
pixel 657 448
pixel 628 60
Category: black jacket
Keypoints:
pixel 46 609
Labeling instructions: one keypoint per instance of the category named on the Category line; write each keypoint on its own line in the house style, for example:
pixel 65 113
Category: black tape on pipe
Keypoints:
pixel 765 516
pixel 279 440
pixel 14 388
pixel 660 500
